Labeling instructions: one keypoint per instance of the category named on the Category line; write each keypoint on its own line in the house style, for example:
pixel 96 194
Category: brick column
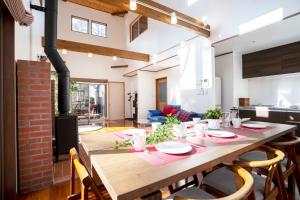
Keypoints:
pixel 34 125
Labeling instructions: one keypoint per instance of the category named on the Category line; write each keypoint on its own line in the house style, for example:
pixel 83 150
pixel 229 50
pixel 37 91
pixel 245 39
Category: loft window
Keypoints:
pixel 80 24
pixel 99 29
pixel 138 26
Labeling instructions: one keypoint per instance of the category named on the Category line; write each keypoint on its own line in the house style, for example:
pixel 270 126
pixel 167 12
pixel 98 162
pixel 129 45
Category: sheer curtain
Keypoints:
pixel 19 13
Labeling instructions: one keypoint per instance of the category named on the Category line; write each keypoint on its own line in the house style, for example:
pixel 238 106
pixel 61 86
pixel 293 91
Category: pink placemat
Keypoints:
pixel 158 158
pixel 256 130
pixel 225 140
pixel 119 136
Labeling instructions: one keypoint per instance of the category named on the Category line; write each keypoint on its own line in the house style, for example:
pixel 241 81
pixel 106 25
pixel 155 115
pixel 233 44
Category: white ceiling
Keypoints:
pixel 283 32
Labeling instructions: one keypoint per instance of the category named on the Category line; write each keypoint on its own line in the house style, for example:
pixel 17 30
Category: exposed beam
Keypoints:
pixel 170 10
pixel 119 66
pixel 98 5
pixel 100 50
pixel 157 15
pixel 120 14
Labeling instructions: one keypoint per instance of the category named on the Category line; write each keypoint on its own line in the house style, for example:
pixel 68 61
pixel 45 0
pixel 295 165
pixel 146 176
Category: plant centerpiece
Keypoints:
pixel 161 134
pixel 171 120
pixel 213 117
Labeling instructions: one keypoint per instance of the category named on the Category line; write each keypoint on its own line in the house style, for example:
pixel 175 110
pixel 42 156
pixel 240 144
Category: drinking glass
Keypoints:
pixel 226 119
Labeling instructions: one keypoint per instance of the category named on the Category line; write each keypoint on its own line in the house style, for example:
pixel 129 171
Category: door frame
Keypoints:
pixel 8 118
pixel 157 88
pixel 108 98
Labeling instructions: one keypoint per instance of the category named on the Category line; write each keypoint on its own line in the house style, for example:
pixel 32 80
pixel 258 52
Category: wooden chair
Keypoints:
pixel 222 182
pixel 89 190
pixel 291 171
pixel 245 190
pixel 290 166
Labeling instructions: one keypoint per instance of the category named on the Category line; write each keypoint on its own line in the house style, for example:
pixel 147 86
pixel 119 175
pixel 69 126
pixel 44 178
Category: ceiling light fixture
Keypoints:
pixel 173 18
pixel 115 58
pixel 64 51
pixel 204 20
pixel 132 5
pixel 90 55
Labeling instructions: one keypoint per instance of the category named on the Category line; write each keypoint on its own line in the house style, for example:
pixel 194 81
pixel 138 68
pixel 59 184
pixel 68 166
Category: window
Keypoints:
pixel 138 27
pixel 99 29
pixel 80 24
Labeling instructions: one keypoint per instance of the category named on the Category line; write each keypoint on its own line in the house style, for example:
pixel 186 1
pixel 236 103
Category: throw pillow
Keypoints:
pixel 167 110
pixel 174 111
pixel 183 116
pixel 155 112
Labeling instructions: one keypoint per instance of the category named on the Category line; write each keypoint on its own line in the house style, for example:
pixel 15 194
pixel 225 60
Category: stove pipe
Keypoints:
pixel 58 63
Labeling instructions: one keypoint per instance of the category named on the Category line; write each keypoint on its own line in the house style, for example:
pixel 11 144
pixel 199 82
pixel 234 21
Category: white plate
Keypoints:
pixel 246 119
pixel 221 134
pixel 88 128
pixel 258 126
pixel 132 131
pixel 174 147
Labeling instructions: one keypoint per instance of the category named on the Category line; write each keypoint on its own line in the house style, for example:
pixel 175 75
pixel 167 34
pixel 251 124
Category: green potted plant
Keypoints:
pixel 213 117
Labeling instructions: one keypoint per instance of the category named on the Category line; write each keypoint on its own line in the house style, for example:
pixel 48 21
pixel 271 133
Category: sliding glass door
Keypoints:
pixel 89 102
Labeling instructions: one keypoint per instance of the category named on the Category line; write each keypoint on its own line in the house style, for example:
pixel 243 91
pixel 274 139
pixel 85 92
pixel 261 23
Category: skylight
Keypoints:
pixel 261 21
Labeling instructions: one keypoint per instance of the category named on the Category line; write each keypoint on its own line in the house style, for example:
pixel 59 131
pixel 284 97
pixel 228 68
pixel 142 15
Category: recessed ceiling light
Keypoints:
pixel 132 5
pixel 115 58
pixel 64 51
pixel 173 18
pixel 90 55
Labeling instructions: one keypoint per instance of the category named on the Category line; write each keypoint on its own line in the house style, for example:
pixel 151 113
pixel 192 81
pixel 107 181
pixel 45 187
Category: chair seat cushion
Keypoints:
pixel 193 193
pixel 224 181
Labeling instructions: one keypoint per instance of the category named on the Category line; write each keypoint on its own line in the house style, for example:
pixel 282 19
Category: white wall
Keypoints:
pixel 146 93
pixel 229 69
pixel 271 90
pixel 224 70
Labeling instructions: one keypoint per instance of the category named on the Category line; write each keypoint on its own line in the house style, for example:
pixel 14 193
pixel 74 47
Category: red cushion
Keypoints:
pixel 174 111
pixel 183 116
pixel 167 110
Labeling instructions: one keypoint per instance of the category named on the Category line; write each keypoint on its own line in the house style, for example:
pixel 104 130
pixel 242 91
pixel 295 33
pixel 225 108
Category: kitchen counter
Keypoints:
pixel 276 109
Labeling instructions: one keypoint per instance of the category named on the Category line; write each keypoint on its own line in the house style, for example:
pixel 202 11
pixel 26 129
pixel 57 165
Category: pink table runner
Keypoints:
pixel 158 158
pixel 225 140
pixel 256 130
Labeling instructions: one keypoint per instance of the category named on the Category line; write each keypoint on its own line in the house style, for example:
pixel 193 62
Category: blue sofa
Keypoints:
pixel 157 115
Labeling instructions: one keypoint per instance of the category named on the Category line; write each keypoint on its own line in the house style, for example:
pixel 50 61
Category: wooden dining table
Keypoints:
pixel 127 176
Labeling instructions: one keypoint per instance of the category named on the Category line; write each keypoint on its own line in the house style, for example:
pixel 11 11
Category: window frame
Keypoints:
pixel 101 23
pixel 136 20
pixel 81 18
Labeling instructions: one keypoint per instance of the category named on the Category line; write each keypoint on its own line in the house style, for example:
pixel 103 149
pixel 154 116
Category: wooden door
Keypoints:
pixel 161 93
pixel 116 100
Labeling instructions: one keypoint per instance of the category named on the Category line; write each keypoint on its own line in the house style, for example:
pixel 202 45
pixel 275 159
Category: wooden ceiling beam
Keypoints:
pixel 160 16
pixel 98 5
pixel 100 50
pixel 170 10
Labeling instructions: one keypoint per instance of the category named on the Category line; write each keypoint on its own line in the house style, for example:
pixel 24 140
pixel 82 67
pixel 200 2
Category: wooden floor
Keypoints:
pixel 60 189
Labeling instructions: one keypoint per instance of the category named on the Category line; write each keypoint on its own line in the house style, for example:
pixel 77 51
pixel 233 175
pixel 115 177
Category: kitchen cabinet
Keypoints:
pixel 278 60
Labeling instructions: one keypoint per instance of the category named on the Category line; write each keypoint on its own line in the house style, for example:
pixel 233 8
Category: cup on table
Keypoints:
pixel 139 140
pixel 200 130
pixel 155 125
pixel 179 130
pixel 236 122
pixel 196 120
